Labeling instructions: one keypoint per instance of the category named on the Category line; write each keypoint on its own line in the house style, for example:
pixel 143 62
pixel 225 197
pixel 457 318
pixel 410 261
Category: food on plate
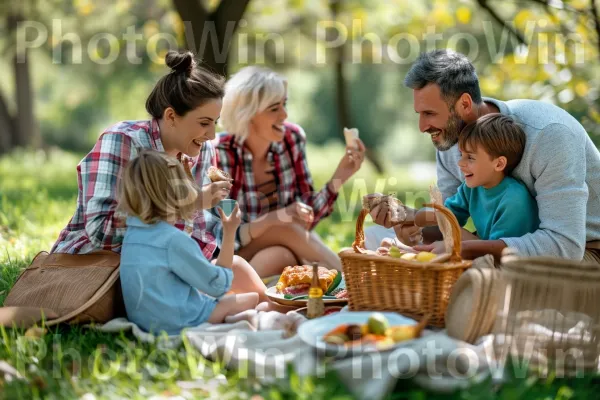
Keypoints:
pixel 296 280
pixel 397 210
pixel 377 331
pixel 378 324
pixel 342 294
pixel 217 175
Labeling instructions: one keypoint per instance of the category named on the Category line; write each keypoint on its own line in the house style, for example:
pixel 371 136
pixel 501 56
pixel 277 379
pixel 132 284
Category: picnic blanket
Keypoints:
pixel 435 361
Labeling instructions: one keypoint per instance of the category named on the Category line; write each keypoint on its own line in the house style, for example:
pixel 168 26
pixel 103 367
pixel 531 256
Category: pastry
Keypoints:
pixel 217 175
pixel 296 280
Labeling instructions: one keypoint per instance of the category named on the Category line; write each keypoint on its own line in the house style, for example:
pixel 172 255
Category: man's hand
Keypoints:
pixel 409 234
pixel 382 215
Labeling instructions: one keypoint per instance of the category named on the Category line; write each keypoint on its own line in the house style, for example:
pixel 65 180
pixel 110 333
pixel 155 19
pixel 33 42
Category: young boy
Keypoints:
pixel 499 205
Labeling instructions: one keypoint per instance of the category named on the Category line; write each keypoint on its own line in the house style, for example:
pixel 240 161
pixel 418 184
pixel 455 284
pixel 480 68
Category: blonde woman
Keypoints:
pixel 266 157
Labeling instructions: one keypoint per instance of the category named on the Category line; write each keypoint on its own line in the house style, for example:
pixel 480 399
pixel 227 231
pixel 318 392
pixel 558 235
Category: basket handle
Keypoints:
pixel 456 234
pixel 359 237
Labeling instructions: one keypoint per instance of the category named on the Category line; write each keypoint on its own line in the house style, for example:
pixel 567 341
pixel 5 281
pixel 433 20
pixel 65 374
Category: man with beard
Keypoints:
pixel 560 165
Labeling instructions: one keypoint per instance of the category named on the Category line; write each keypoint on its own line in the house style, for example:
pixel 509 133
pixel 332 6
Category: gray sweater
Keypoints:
pixel 561 169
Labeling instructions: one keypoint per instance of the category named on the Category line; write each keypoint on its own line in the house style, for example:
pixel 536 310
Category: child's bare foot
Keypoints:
pixel 249 315
pixel 272 306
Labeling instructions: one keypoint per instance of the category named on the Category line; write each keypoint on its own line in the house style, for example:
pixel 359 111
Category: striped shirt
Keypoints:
pixel 292 180
pixel 97 224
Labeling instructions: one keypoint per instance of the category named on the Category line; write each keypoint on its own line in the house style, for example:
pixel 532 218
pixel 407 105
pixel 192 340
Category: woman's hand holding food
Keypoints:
pixel 296 212
pixel 212 193
pixel 348 165
pixel 215 191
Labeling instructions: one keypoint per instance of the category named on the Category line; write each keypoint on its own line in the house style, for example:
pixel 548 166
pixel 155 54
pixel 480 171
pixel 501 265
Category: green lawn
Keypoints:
pixel 37 195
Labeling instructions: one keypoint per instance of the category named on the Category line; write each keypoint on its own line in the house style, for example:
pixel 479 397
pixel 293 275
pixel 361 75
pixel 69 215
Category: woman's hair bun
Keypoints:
pixel 180 61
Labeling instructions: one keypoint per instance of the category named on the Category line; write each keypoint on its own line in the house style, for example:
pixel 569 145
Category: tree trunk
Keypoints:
pixel 25 122
pixel 7 127
pixel 341 91
pixel 25 132
pixel 210 35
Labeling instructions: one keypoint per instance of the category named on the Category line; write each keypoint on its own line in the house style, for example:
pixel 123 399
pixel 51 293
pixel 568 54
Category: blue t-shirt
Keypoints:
pixel 504 211
pixel 167 282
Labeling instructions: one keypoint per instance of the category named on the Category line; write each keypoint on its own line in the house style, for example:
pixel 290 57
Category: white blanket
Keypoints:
pixel 436 361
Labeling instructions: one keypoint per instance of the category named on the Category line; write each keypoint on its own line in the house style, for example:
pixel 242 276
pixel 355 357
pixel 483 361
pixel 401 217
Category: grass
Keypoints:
pixel 37 197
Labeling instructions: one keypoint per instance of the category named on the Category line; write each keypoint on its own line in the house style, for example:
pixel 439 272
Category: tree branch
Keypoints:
pixel 195 14
pixel 484 4
pixel 8 124
pixel 549 4
pixel 596 19
pixel 227 17
pixel 229 11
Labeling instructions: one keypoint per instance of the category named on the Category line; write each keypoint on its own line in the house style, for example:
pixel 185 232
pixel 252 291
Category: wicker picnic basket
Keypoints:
pixel 550 314
pixel 411 288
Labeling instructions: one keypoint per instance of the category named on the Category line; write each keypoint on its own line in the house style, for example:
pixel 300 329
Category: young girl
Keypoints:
pixel 167 282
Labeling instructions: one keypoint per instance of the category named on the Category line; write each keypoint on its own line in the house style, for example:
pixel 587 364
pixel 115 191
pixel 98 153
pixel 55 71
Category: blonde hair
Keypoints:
pixel 248 92
pixel 155 187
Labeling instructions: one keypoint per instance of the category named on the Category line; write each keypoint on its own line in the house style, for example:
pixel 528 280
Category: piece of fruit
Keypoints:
pixel 354 332
pixel 409 256
pixel 395 252
pixel 378 324
pixel 338 338
pixel 364 329
pixel 425 256
pixel 384 344
pixel 401 333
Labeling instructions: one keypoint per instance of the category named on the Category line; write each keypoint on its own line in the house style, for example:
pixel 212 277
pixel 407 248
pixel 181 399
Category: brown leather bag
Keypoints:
pixel 71 288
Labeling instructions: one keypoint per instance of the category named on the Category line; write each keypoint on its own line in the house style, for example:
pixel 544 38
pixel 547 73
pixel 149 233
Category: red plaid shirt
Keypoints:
pixel 292 175
pixel 96 224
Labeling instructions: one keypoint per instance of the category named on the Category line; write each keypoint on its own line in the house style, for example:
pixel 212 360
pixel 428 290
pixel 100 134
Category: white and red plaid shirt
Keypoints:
pixel 96 224
pixel 292 176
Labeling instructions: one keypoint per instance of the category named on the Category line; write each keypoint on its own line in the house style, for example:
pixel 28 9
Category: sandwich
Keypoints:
pixel 351 135
pixel 296 280
pixel 397 210
pixel 217 175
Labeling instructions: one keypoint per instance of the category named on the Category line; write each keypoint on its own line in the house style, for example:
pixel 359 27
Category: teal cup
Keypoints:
pixel 227 205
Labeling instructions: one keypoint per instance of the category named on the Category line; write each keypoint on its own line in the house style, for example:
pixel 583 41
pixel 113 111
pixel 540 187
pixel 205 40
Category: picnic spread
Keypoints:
pixel 393 314
pixel 405 311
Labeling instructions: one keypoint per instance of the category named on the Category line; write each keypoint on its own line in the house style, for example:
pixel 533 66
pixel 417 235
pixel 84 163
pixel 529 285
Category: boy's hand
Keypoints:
pixel 435 247
pixel 231 223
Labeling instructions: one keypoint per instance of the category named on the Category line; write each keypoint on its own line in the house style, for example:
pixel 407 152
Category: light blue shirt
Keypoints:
pixel 167 282
pixel 506 210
